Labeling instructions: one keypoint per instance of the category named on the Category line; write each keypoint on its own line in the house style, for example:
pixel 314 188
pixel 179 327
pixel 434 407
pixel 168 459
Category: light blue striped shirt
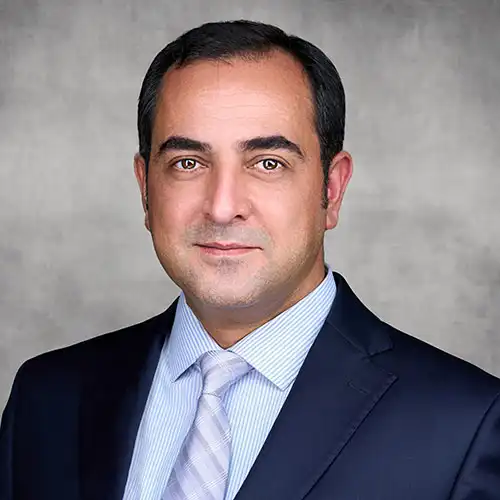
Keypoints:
pixel 276 351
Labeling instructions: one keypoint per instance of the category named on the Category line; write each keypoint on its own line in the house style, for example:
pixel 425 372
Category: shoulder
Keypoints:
pixel 69 364
pixel 436 377
pixel 416 356
pixel 423 370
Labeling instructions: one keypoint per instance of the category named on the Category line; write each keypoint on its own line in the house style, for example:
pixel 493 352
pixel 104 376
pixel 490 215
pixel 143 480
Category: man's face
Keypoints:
pixel 235 183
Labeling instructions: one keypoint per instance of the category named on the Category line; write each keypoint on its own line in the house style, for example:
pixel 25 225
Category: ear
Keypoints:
pixel 339 174
pixel 142 180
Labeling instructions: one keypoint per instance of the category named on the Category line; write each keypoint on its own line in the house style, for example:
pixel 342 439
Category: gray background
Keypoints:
pixel 419 239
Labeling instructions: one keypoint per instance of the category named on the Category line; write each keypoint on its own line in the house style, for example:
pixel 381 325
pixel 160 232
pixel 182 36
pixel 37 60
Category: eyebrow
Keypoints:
pixel 272 142
pixel 179 143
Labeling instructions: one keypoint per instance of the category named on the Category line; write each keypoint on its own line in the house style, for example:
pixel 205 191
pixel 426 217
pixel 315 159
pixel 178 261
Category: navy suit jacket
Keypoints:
pixel 373 415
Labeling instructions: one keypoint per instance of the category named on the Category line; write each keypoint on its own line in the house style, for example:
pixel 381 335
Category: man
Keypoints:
pixel 267 379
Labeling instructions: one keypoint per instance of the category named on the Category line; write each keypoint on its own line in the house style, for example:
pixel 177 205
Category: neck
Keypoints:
pixel 227 326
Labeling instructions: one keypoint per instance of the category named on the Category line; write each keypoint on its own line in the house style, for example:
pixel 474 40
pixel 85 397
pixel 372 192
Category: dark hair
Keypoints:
pixel 249 39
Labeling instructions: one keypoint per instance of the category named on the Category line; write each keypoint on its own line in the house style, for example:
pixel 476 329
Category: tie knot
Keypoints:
pixel 220 369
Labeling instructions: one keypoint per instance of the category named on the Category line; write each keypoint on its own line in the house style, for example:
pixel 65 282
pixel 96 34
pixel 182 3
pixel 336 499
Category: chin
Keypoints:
pixel 227 286
pixel 225 297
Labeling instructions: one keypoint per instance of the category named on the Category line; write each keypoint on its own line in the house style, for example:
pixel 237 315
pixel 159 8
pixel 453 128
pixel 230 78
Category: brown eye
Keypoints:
pixel 186 164
pixel 270 164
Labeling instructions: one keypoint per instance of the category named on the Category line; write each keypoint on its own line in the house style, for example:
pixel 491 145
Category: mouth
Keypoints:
pixel 225 249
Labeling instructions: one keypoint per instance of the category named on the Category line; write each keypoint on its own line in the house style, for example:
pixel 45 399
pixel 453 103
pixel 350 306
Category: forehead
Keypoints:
pixel 237 97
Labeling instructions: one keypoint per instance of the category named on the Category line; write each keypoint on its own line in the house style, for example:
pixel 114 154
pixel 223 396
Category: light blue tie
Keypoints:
pixel 201 469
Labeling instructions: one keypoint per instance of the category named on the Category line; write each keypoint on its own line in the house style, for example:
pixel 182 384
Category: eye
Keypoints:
pixel 186 164
pixel 270 164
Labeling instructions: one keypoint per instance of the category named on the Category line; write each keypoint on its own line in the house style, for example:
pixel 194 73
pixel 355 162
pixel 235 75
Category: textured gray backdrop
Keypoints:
pixel 419 238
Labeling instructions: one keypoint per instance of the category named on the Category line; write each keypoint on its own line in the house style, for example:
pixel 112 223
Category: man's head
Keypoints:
pixel 240 163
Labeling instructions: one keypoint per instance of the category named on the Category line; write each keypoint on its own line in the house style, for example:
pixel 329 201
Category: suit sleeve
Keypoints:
pixel 7 443
pixel 479 476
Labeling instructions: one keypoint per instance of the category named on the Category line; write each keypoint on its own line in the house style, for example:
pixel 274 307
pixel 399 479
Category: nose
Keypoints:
pixel 226 197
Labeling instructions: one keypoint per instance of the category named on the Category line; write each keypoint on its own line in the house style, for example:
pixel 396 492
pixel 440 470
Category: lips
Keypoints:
pixel 216 250
pixel 226 246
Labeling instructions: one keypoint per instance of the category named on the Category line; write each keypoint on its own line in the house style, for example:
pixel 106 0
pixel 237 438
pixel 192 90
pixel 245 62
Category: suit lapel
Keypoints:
pixel 337 387
pixel 112 404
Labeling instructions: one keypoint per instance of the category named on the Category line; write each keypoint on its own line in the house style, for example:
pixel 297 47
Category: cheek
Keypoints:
pixel 298 204
pixel 290 218
pixel 172 211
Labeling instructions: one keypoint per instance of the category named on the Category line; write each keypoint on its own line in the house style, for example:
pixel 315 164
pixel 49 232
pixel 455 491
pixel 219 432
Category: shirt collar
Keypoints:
pixel 277 349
